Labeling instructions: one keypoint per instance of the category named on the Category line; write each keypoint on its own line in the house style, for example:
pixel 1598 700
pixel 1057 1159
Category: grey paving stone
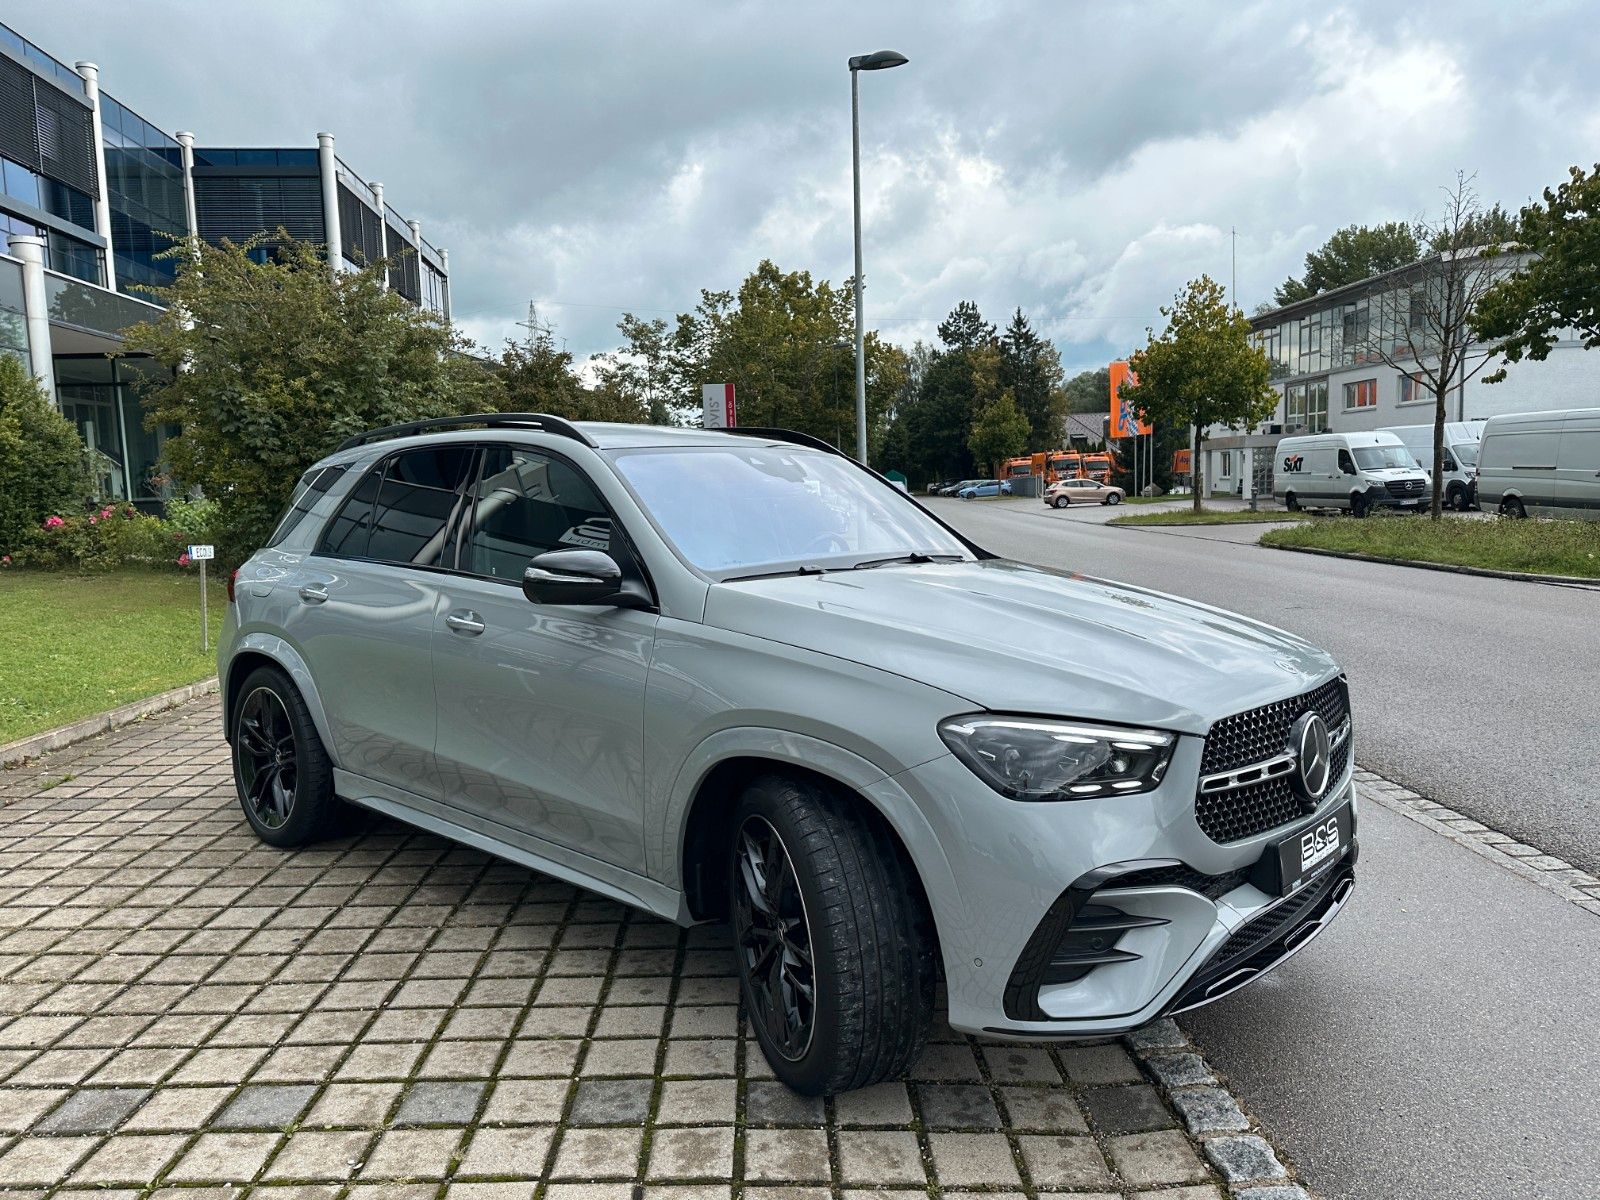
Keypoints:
pixel 1043 1110
pixel 973 1159
pixel 1065 1162
pixel 1161 1035
pixel 269 1106
pixel 1279 1191
pixel 1209 1110
pixel 957 1106
pixel 1150 1159
pixel 881 1104
pixel 786 1155
pixel 410 1154
pixel 881 1158
pixel 1134 1109
pixel 129 1158
pixel 594 1154
pixel 612 1101
pixel 1099 1065
pixel 93 1110
pixel 705 1153
pixel 430 1102
pixel 518 1153
pixel 772 1103
pixel 1244 1159
pixel 697 1102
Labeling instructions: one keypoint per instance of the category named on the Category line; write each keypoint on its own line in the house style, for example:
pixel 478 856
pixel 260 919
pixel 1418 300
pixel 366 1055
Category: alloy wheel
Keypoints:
pixel 266 750
pixel 773 938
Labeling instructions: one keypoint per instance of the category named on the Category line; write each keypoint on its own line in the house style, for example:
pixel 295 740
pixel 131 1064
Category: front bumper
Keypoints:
pixel 1193 928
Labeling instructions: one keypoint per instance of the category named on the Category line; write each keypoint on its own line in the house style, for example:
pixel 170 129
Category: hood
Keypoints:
pixel 1009 637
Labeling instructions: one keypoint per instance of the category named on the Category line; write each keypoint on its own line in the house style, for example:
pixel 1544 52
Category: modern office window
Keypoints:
pixel 1317 406
pixel 1295 405
pixel 1415 389
pixel 72 257
pixel 145 185
pixel 1363 393
pixel 1227 463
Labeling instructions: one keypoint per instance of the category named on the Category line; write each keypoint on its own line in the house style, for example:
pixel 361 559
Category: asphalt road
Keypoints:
pixel 1483 694
pixel 1442 1040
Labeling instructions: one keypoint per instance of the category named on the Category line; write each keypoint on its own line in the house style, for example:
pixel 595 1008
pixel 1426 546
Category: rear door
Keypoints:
pixel 362 613
pixel 541 707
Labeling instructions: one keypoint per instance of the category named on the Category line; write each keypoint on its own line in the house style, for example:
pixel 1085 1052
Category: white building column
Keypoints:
pixel 90 75
pixel 328 166
pixel 29 248
pixel 416 236
pixel 186 152
pixel 444 284
pixel 383 228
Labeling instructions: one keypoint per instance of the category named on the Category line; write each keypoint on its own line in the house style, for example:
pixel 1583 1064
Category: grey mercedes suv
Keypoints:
pixel 736 676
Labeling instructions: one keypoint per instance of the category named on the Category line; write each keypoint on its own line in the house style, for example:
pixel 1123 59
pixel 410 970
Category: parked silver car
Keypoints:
pixel 736 676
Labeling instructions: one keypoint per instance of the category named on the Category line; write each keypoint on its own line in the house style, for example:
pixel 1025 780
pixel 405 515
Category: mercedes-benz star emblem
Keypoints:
pixel 1308 740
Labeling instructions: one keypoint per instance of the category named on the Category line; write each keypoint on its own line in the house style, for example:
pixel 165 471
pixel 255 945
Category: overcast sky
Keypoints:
pixel 1081 160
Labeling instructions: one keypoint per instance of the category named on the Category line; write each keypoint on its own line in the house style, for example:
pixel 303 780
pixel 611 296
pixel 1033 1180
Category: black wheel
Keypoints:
pixel 281 771
pixel 1456 498
pixel 1060 502
pixel 1512 507
pixel 1358 505
pixel 834 946
pixel 1113 498
pixel 1291 502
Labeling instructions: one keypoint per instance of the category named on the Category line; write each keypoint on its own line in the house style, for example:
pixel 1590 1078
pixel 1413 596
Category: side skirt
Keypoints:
pixel 547 858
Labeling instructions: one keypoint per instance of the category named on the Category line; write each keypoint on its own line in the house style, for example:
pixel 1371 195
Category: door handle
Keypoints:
pixel 314 593
pixel 468 623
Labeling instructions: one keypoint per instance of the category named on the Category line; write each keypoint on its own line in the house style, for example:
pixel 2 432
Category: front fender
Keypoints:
pixel 884 792
pixel 286 656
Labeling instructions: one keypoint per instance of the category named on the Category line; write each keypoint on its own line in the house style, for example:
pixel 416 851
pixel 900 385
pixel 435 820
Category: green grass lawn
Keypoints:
pixel 1206 516
pixel 75 645
pixel 1501 544
pixel 1167 499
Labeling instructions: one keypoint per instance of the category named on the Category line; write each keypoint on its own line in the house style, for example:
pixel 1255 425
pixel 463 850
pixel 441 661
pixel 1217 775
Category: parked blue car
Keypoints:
pixel 989 487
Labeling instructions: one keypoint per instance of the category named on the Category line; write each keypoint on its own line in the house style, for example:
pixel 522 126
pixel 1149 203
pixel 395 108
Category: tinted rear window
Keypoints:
pixel 313 485
pixel 401 509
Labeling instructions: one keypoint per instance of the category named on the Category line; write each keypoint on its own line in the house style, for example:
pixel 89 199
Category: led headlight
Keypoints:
pixel 1031 758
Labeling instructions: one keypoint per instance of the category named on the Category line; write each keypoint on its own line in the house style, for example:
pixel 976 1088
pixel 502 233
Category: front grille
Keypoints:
pixel 1404 487
pixel 1252 737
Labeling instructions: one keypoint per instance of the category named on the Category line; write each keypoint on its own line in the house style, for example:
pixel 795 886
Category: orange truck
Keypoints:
pixel 1056 465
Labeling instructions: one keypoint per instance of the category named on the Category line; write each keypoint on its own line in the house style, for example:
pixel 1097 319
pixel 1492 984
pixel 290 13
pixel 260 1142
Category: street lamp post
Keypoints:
pixel 879 61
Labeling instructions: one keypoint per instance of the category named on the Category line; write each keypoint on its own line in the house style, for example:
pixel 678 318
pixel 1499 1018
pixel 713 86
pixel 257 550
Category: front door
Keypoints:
pixel 362 611
pixel 541 707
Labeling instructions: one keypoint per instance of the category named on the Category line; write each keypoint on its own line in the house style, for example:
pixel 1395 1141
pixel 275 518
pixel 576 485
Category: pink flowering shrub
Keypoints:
pixel 116 535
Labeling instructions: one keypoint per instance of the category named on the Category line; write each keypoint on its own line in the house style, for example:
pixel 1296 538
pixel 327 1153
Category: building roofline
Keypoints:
pixel 1337 295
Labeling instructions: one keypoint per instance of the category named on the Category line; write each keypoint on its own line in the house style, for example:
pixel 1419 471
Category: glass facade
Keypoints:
pixel 56 70
pixel 13 320
pixel 144 183
pixel 100 396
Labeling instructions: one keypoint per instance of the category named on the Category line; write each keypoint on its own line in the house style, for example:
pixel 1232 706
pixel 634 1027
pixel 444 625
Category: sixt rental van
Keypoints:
pixel 1458 483
pixel 1354 471
pixel 1546 464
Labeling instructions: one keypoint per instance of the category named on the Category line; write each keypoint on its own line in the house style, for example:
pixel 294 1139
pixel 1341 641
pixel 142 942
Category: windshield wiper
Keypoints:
pixel 916 556
pixel 802 569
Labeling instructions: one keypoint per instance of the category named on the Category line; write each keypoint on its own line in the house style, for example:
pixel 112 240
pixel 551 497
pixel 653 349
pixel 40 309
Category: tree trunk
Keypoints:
pixel 1198 473
pixel 1438 445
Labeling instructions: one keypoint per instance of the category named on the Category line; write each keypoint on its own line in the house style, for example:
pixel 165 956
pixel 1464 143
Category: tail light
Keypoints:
pixel 233 577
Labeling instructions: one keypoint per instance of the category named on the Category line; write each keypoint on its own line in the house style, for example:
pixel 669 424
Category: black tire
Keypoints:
pixel 1456 498
pixel 1291 502
pixel 1512 507
pixel 1113 498
pixel 873 970
pixel 1060 502
pixel 1358 505
pixel 291 802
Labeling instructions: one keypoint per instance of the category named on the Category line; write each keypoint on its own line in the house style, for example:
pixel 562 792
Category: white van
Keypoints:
pixel 1355 471
pixel 1543 463
pixel 1460 467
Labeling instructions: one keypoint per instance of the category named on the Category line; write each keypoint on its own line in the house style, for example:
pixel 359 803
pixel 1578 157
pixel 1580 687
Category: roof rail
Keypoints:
pixel 784 435
pixel 541 421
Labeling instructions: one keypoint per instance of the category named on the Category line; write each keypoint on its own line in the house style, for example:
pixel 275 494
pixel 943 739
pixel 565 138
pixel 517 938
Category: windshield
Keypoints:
pixel 1374 458
pixel 1466 453
pixel 751 510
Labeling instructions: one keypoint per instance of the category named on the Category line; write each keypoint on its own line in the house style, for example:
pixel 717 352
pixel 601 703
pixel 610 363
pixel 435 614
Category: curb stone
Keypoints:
pixel 14 753
pixel 1211 1114
pixel 1578 581
pixel 1546 870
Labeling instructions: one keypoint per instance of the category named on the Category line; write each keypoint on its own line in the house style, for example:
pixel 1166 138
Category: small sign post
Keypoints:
pixel 718 408
pixel 203 555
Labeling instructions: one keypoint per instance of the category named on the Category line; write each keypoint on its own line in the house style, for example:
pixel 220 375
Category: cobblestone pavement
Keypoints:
pixel 185 1012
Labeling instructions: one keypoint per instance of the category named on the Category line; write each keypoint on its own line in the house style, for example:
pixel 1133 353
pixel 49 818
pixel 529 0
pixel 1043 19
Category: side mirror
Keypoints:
pixel 579 577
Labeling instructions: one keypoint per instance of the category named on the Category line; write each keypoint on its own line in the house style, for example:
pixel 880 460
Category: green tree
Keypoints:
pixel 1030 368
pixel 1089 391
pixel 274 364
pixel 784 340
pixel 958 378
pixel 536 375
pixel 1558 287
pixel 1202 370
pixel 43 468
pixel 1354 253
pixel 999 432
